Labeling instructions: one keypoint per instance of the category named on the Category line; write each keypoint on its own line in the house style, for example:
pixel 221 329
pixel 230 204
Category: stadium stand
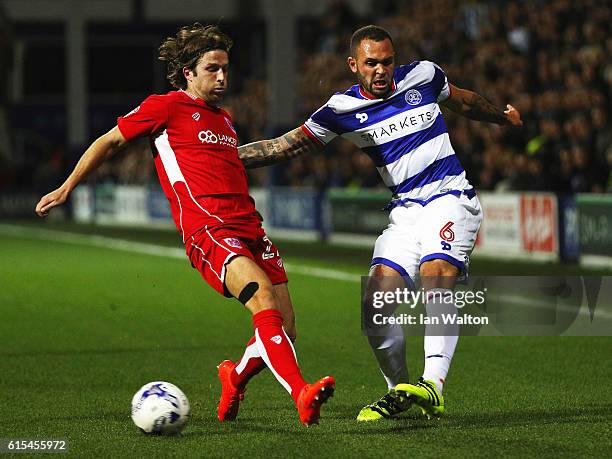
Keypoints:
pixel 553 63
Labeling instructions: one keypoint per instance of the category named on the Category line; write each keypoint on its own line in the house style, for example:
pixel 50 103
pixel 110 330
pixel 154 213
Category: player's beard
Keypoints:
pixel 369 87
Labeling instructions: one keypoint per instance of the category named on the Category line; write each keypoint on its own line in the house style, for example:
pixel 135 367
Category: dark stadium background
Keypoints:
pixel 90 311
pixel 549 58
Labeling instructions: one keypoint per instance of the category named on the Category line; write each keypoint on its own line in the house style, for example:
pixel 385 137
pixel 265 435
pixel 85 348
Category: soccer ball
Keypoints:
pixel 160 408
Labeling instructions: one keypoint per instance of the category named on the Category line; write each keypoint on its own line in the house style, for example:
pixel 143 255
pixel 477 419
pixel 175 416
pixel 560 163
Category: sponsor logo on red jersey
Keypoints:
pixel 223 139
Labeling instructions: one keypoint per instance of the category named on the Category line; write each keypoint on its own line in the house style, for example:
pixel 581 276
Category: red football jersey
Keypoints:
pixel 196 158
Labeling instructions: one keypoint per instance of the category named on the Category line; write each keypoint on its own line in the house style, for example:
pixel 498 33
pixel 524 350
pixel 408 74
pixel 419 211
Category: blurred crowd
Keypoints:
pixel 550 59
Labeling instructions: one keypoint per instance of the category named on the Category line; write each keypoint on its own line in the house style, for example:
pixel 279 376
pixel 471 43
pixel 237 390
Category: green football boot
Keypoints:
pixel 390 404
pixel 425 394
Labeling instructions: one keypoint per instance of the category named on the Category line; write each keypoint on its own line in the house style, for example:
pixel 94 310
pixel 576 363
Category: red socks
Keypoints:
pixel 250 364
pixel 276 350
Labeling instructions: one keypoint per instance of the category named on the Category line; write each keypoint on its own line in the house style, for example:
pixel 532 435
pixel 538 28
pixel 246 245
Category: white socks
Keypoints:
pixel 439 350
pixel 390 352
pixel 439 344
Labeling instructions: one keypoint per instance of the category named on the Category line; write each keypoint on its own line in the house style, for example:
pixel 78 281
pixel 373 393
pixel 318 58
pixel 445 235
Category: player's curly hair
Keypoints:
pixel 186 48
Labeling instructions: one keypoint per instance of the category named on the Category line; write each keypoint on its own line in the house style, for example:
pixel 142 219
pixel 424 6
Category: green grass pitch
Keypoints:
pixel 84 327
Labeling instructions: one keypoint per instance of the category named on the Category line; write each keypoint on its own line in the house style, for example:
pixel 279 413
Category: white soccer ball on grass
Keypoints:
pixel 160 408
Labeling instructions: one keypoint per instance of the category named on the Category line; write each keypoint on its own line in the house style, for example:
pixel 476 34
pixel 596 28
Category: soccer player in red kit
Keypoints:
pixel 195 148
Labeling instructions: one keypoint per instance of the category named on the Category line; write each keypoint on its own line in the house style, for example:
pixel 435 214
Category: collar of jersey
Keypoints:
pixel 366 95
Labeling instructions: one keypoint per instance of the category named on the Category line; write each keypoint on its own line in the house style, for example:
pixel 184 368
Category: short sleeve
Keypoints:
pixel 149 117
pixel 320 126
pixel 440 83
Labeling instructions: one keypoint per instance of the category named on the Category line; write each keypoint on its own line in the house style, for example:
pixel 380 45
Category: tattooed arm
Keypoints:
pixel 267 152
pixel 476 107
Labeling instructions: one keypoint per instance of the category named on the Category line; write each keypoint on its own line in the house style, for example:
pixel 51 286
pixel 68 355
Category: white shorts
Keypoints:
pixel 446 228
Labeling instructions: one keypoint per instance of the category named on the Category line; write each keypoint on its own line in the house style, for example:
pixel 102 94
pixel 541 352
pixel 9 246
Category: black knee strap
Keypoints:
pixel 247 292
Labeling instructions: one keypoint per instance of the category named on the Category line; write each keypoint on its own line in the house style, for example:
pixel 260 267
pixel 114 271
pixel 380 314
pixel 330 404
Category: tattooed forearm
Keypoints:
pixel 268 152
pixel 478 108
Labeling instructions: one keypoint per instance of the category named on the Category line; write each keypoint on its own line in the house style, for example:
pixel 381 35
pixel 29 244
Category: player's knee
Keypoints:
pixel 257 297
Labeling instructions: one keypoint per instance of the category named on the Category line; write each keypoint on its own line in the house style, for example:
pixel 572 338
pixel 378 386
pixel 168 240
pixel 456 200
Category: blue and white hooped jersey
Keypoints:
pixel 404 134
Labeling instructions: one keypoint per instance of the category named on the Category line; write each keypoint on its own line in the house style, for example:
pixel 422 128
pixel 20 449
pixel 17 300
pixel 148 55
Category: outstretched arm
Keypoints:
pixel 267 152
pixel 102 149
pixel 476 107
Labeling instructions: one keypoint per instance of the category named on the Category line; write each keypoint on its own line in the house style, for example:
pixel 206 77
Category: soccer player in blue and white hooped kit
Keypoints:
pixel 393 114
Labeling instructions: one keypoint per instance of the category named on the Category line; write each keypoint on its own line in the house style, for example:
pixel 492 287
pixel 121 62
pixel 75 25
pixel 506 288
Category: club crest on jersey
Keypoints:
pixel 362 117
pixel 413 97
pixel 196 116
pixel 233 242
pixel 276 339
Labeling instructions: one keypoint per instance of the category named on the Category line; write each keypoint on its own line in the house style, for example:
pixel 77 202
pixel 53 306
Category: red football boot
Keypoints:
pixel 311 397
pixel 231 396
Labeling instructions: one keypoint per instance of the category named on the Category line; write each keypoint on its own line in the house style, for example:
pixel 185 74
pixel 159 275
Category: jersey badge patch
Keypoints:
pixel 413 97
pixel 233 242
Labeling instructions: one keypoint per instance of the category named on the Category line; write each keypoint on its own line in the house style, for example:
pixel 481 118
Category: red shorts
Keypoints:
pixel 209 251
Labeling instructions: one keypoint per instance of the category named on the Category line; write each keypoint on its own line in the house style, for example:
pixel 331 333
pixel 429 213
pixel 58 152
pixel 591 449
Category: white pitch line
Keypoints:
pixel 176 253
pixel 91 240
pixel 150 249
